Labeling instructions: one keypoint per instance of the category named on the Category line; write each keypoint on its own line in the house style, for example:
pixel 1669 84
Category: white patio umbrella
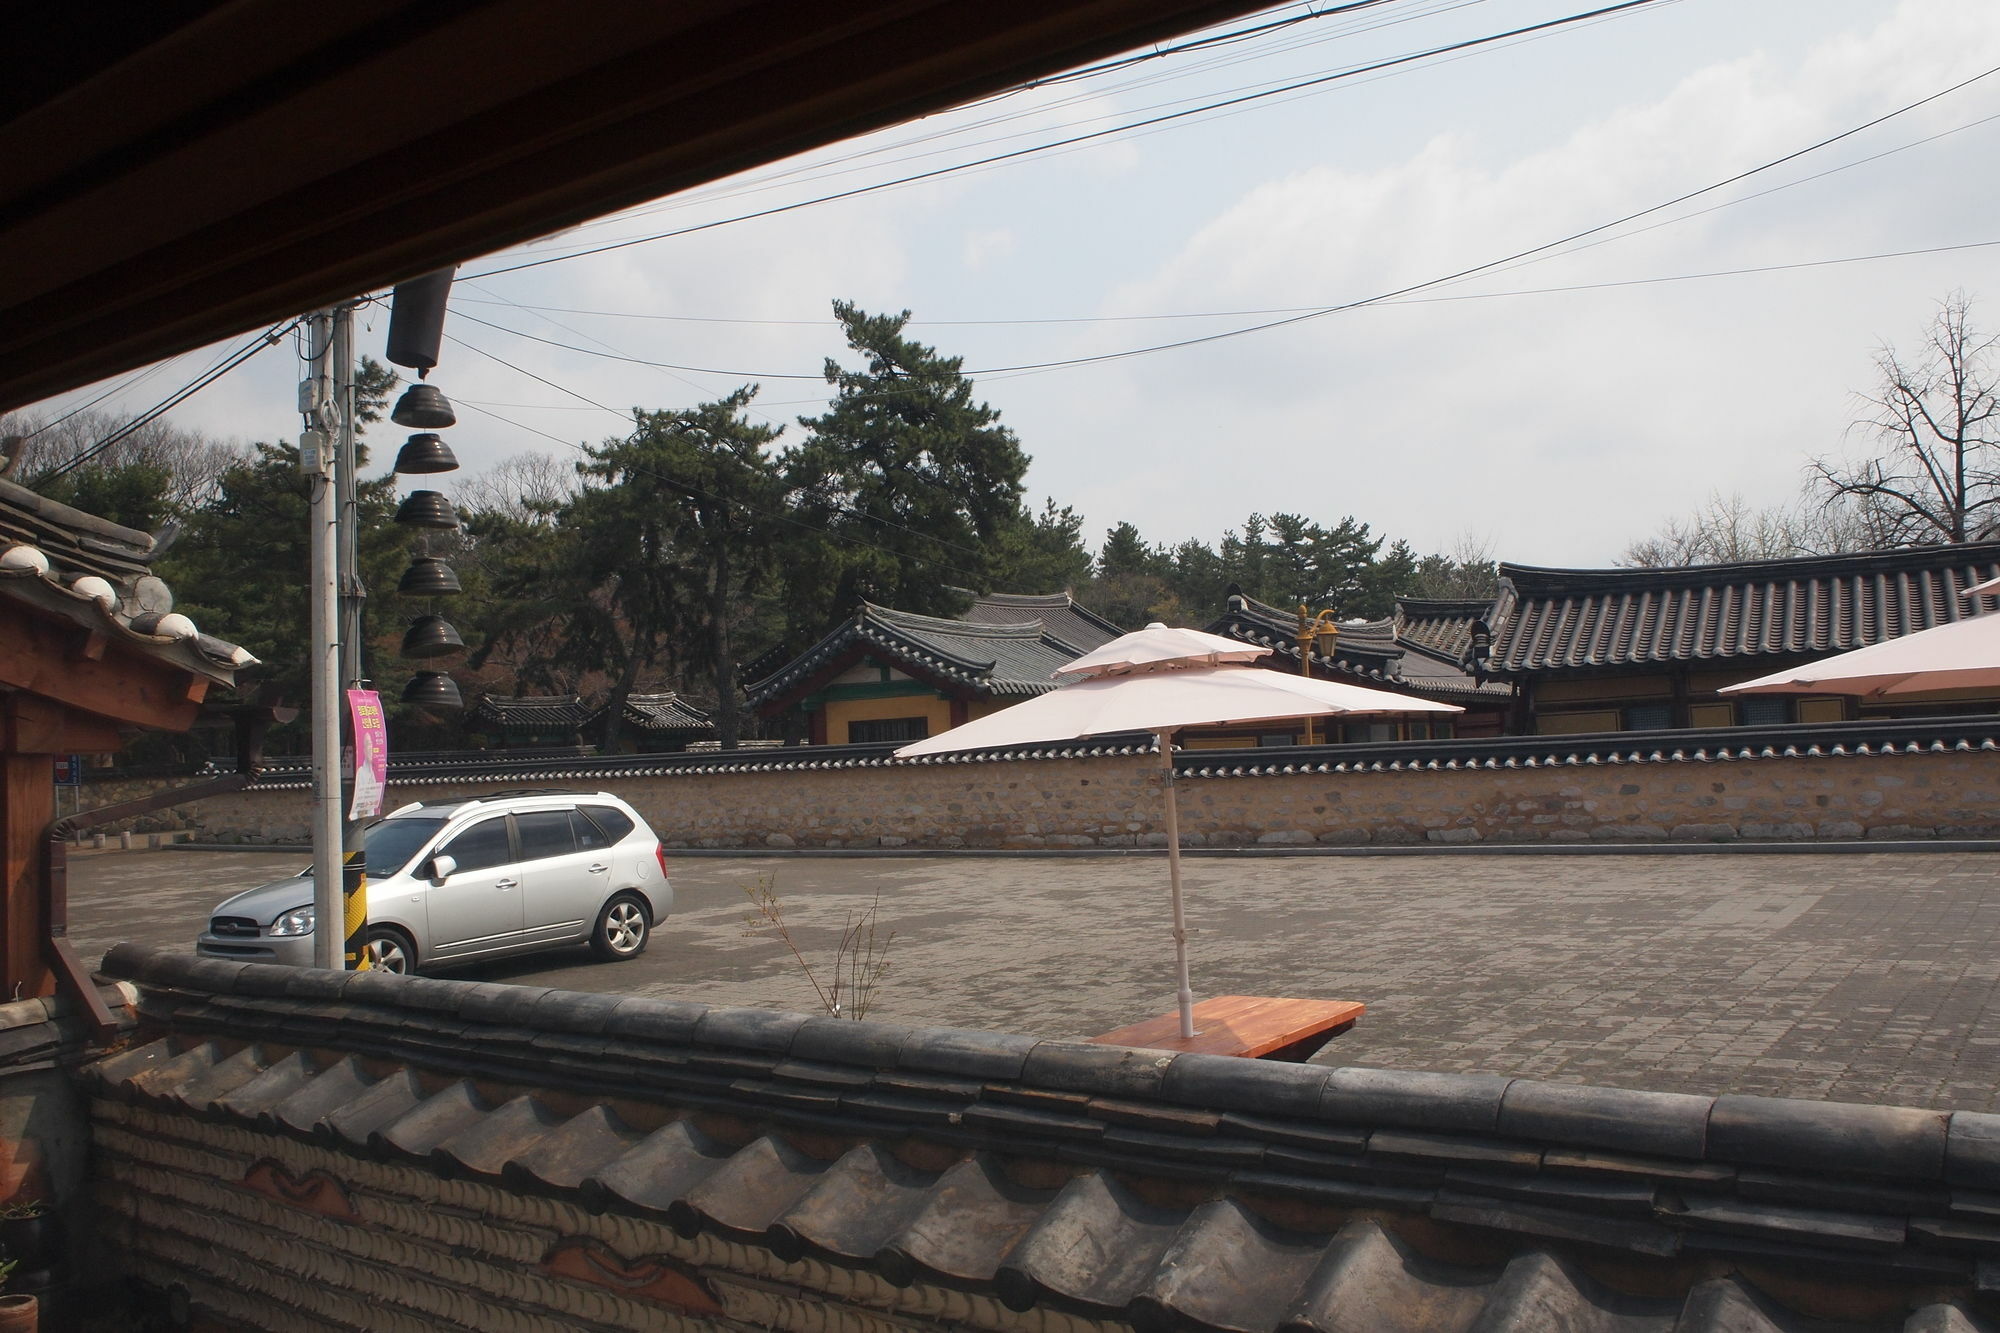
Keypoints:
pixel 1161 679
pixel 1962 654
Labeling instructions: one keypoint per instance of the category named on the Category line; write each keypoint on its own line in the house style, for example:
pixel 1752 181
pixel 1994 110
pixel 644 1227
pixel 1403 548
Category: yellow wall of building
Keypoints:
pixel 840 712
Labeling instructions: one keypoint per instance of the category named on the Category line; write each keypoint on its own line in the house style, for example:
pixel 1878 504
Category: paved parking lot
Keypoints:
pixel 1852 977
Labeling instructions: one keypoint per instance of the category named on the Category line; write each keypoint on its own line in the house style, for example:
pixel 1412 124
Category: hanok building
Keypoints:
pixel 887 675
pixel 521 721
pixel 89 645
pixel 650 723
pixel 656 723
pixel 1424 650
pixel 1595 650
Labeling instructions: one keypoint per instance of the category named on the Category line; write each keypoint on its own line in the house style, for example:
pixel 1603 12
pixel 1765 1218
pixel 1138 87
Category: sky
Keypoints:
pixel 1553 409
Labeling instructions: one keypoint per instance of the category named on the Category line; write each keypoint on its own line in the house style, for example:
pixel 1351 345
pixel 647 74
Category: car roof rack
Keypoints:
pixel 510 792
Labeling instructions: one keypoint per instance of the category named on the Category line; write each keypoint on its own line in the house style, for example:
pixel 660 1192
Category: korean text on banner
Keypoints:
pixel 371 753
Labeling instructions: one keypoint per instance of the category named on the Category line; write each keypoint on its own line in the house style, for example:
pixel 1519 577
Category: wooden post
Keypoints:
pixel 27 808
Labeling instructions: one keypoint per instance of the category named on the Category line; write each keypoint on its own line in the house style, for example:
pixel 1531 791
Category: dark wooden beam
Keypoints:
pixel 27 808
pixel 122 687
pixel 30 724
pixel 267 159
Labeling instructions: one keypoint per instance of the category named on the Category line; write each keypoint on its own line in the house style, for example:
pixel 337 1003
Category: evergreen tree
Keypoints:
pixel 724 519
pixel 912 482
pixel 1042 553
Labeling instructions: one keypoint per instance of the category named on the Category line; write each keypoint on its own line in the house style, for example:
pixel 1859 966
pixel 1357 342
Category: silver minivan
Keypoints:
pixel 449 883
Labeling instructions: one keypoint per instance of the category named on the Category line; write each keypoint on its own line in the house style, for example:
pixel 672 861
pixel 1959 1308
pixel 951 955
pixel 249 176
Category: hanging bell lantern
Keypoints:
pixel 428 576
pixel 425 453
pixel 431 636
pixel 428 509
pixel 425 407
pixel 433 689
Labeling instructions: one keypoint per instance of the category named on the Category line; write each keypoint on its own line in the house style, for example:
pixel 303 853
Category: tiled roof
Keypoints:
pixel 1442 628
pixel 1058 612
pixel 1171 1191
pixel 93 572
pixel 987 659
pixel 1368 651
pixel 549 710
pixel 665 713
pixel 1566 619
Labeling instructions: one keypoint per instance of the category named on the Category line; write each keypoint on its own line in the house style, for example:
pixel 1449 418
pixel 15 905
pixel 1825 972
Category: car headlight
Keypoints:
pixel 298 922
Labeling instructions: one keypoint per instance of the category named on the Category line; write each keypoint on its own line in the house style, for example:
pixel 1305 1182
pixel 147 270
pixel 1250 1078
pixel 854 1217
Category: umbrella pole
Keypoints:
pixel 1174 877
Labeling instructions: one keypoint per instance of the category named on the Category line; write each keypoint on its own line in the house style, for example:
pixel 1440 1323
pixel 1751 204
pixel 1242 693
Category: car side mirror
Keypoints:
pixel 443 867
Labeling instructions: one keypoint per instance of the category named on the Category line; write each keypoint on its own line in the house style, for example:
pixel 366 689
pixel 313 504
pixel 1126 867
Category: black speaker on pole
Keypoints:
pixel 416 319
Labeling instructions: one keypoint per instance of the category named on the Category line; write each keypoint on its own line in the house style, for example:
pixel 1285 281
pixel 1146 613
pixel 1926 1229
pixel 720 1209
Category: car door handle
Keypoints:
pixel 507 884
pixel 598 868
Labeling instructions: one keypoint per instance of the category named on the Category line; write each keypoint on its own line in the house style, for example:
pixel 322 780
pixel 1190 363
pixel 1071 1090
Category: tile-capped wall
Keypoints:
pixel 1114 801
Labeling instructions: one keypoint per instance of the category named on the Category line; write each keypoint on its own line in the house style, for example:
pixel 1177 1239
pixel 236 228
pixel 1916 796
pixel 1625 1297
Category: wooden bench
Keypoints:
pixel 1258 1026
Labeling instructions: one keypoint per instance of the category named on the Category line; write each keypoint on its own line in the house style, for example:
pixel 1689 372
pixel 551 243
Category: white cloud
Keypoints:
pixel 1566 424
pixel 983 247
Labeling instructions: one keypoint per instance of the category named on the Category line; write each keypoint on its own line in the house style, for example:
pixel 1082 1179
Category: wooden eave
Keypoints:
pixel 89 673
pixel 182 172
pixel 851 656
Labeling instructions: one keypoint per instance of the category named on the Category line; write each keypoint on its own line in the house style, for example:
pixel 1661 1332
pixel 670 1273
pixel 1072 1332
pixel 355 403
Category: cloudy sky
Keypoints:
pixel 1556 408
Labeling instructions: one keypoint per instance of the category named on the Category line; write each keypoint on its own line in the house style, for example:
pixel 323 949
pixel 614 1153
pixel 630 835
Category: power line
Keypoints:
pixel 269 338
pixel 809 171
pixel 674 481
pixel 859 190
pixel 1492 263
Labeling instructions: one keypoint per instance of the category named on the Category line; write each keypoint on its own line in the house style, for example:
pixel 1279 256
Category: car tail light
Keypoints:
pixel 660 855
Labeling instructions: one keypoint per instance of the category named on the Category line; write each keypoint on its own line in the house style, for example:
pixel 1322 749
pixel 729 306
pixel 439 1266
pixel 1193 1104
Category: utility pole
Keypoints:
pixel 320 404
pixel 352 593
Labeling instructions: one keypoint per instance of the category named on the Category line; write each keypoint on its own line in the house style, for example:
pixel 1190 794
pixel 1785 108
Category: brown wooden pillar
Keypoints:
pixel 27 808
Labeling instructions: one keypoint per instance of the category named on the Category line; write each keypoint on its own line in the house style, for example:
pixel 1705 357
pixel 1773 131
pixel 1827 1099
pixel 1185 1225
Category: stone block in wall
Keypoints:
pixel 1900 832
pixel 1454 835
pixel 1839 828
pixel 1285 838
pixel 1628 833
pixel 1778 832
pixel 1702 832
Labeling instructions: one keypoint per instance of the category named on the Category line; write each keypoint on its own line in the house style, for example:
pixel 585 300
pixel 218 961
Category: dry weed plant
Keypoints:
pixel 860 957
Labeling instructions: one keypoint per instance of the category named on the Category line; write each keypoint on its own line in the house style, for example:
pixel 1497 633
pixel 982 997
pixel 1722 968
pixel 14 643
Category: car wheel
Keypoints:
pixel 392 950
pixel 621 929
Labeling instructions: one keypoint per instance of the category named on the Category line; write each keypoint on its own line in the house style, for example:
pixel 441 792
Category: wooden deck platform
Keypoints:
pixel 1258 1026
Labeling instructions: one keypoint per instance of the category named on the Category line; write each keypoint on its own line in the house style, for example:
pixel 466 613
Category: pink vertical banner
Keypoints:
pixel 371 753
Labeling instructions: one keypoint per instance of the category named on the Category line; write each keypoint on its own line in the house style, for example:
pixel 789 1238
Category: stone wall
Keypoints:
pixel 1114 801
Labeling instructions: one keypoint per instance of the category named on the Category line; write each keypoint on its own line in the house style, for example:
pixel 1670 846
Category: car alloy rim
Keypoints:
pixel 624 927
pixel 389 955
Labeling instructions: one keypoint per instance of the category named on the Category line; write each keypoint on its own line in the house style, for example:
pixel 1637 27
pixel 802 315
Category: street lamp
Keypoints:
pixel 1314 629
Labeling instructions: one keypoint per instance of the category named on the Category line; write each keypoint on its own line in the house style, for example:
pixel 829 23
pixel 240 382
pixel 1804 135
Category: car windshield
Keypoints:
pixel 393 842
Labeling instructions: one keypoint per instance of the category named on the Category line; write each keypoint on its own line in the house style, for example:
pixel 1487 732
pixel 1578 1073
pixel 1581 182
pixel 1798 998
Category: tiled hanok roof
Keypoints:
pixel 1569 619
pixel 1440 627
pixel 986 659
pixel 1058 612
pixel 544 710
pixel 665 713
pixel 99 575
pixel 1173 1192
pixel 1367 651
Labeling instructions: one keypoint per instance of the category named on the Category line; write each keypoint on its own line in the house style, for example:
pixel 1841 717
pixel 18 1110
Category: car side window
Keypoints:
pixel 615 823
pixel 480 847
pixel 589 837
pixel 544 833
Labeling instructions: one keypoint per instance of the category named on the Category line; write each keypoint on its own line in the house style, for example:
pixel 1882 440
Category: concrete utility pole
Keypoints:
pixel 320 405
pixel 352 594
